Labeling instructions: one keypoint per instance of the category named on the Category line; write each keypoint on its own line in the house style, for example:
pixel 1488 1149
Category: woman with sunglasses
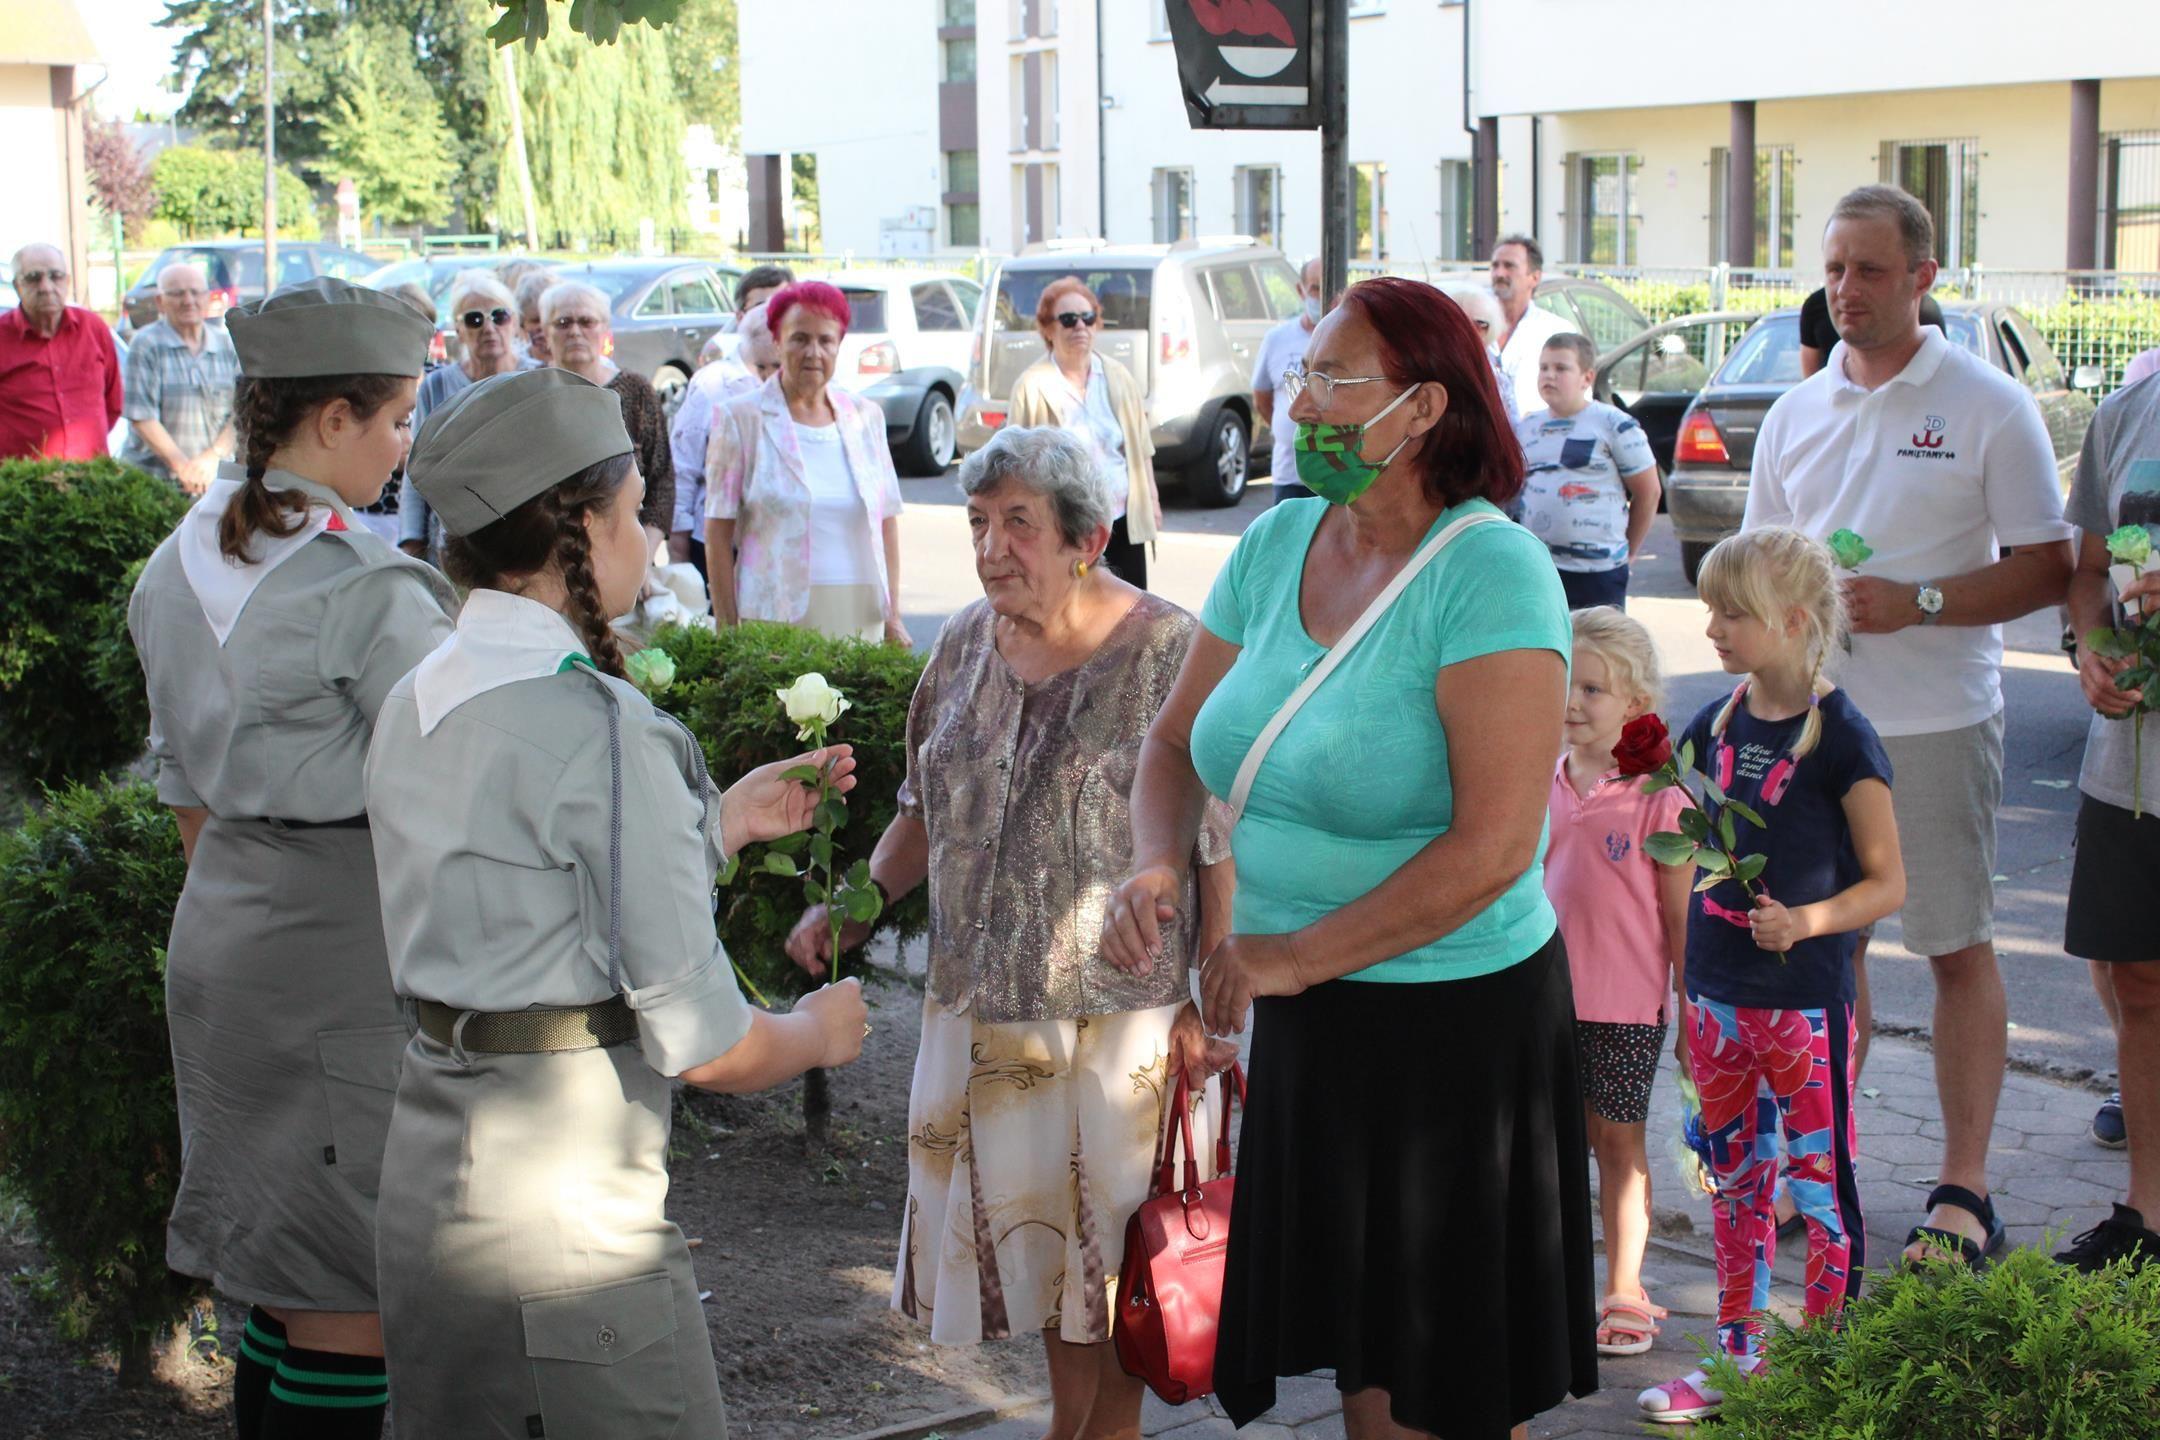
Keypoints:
pixel 1078 389
pixel 484 317
pixel 580 324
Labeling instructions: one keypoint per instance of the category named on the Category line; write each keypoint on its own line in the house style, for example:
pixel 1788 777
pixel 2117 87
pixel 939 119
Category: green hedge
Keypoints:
pixel 88 1133
pixel 71 696
pixel 2028 1349
pixel 724 691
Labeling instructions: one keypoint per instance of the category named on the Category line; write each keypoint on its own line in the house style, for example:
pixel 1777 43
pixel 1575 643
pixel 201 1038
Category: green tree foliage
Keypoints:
pixel 68 708
pixel 208 191
pixel 603 132
pixel 88 1135
pixel 703 47
pixel 217 65
pixel 599 21
pixel 385 130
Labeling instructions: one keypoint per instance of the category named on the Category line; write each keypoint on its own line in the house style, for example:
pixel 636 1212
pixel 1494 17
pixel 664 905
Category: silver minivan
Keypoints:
pixel 1187 319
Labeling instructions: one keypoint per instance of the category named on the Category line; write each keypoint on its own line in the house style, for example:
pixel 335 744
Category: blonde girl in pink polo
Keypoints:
pixel 1623 918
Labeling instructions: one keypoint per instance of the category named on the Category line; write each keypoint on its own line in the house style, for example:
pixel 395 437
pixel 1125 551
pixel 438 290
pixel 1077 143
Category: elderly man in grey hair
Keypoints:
pixel 60 386
pixel 755 359
pixel 1483 308
pixel 181 371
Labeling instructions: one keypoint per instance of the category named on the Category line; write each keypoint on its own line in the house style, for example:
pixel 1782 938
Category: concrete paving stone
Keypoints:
pixel 1029 1426
pixel 1881 1120
pixel 1158 1417
pixel 1922 1174
pixel 2002 1164
pixel 1299 1398
pixel 2078 1146
pixel 1214 1427
pixel 1327 1427
pixel 1899 1150
pixel 2031 1122
pixel 1932 1128
pixel 2060 1191
pixel 1917 1106
pixel 2107 1169
pixel 2021 1214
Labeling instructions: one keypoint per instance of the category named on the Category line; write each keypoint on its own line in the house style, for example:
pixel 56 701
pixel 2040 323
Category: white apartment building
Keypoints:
pixel 2033 136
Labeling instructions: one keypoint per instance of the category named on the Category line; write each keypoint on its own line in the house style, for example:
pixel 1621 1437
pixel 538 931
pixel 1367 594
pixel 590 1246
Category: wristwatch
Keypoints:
pixel 1930 601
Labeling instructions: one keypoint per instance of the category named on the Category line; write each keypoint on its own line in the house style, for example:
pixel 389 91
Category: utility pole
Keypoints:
pixel 270 269
pixel 517 150
pixel 1337 227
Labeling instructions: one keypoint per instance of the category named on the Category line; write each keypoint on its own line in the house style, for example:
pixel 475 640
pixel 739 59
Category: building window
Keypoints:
pixel 957 60
pixel 2130 200
pixel 1368 202
pixel 1052 126
pixel 1944 175
pixel 1033 19
pixel 1259 203
pixel 1158 20
pixel 1173 206
pixel 963 172
pixel 1774 171
pixel 954 14
pixel 1458 209
pixel 963 227
pixel 1606 205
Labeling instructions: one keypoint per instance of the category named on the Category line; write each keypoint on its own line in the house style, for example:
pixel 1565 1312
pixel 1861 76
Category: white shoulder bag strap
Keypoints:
pixel 1242 789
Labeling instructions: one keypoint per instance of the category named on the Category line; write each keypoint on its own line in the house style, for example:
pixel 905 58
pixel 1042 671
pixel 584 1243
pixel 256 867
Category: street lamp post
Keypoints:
pixel 269 153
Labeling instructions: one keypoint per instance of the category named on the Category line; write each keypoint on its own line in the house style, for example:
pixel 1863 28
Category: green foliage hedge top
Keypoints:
pixel 88 1133
pixel 724 691
pixel 74 533
pixel 2029 1349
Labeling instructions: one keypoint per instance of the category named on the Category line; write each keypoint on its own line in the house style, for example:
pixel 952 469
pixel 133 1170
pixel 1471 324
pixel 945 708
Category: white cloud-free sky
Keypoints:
pixel 138 53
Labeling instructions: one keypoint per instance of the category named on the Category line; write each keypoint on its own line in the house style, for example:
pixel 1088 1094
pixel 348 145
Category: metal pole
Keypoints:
pixel 2083 250
pixel 269 153
pixel 1337 220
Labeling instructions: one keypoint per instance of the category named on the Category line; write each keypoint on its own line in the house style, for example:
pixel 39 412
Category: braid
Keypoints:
pixel 266 412
pixel 573 550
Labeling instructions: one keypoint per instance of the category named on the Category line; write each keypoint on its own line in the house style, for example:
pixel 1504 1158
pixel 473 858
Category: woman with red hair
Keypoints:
pixel 1377 691
pixel 802 505
pixel 1078 389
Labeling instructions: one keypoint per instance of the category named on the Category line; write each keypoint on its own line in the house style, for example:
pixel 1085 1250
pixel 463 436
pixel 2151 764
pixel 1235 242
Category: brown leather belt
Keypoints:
pixel 530 1032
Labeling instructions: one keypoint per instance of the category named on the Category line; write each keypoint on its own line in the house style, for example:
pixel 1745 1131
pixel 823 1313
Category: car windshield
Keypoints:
pixel 1770 353
pixel 866 311
pixel 614 284
pixel 1123 289
pixel 222 268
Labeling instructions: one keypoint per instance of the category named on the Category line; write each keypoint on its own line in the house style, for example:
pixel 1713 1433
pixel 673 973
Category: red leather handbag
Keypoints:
pixel 1170 1288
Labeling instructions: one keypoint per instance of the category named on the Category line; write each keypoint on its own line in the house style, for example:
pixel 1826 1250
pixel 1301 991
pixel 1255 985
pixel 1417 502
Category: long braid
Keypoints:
pixel 573 549
pixel 266 412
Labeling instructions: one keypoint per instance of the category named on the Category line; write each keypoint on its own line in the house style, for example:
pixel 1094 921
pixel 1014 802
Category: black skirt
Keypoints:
pixel 1413 1201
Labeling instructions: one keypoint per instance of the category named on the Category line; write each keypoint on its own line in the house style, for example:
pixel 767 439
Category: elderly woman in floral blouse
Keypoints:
pixel 1043 1072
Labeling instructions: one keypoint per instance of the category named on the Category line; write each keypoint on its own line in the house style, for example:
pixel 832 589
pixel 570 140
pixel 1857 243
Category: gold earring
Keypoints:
pixel 1080 569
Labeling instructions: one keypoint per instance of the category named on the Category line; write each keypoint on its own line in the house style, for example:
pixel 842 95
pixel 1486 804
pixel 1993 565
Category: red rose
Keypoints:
pixel 1644 746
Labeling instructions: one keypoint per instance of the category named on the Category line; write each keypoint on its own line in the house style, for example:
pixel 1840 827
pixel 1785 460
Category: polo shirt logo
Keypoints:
pixel 1928 444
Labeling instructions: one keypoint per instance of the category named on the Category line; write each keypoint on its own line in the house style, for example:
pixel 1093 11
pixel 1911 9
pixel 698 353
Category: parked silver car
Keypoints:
pixel 1186 319
pixel 907 348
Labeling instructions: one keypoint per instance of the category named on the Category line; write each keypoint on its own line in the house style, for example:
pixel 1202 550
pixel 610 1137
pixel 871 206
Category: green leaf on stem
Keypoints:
pixel 803 774
pixel 789 844
pixel 858 875
pixel 1685 760
pixel 813 892
pixel 821 851
pixel 1725 831
pixel 1750 868
pixel 1695 825
pixel 1711 881
pixel 1712 791
pixel 2110 644
pixel 1662 780
pixel 779 865
pixel 1747 813
pixel 1669 848
pixel 831 815
pixel 729 871
pixel 862 906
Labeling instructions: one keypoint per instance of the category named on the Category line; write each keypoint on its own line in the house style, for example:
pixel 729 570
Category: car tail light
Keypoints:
pixel 991 419
pixel 220 300
pixel 878 359
pixel 438 349
pixel 1700 442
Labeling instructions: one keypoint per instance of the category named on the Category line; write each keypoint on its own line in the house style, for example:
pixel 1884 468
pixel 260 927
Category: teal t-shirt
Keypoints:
pixel 1358 782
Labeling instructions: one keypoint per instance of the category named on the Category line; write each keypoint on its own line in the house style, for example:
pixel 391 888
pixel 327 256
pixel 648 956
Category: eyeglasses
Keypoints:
pixel 474 319
pixel 192 293
pixel 1485 325
pixel 33 277
pixel 1074 319
pixel 1297 380
pixel 578 322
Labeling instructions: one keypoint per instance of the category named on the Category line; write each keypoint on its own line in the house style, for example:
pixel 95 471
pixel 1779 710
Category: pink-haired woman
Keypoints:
pixel 802 509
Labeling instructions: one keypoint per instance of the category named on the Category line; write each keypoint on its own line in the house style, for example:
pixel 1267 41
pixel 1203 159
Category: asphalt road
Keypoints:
pixel 2056 1022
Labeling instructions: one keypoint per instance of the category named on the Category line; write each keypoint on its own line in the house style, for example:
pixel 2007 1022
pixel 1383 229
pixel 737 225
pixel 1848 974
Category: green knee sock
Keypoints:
pixel 317 1395
pixel 262 1345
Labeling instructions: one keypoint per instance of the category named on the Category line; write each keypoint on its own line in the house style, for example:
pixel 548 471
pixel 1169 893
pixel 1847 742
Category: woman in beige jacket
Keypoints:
pixel 1096 399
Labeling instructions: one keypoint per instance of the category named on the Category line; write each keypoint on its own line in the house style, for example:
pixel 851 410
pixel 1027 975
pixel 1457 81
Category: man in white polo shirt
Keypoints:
pixel 1517 266
pixel 1942 465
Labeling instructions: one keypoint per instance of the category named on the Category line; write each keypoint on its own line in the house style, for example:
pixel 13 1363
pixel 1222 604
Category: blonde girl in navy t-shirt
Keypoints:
pixel 1768 1020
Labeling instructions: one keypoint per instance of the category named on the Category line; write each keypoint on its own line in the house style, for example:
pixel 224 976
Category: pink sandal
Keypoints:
pixel 1627 1326
pixel 1691 1397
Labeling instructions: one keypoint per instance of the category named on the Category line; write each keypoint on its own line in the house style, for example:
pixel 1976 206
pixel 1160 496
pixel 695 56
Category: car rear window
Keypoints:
pixel 1769 354
pixel 866 311
pixel 1124 291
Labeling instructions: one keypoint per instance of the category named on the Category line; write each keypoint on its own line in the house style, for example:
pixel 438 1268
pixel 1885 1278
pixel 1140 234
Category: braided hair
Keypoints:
pixel 549 529
pixel 267 413
pixel 1769 574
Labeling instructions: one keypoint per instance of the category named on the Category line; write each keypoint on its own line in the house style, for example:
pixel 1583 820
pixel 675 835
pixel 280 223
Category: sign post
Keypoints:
pixel 1275 65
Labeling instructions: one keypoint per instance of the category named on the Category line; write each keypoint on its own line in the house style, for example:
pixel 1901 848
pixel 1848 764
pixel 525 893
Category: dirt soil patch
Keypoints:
pixel 798 1246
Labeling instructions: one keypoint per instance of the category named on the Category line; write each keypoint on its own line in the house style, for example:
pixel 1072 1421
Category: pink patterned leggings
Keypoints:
pixel 1763 1072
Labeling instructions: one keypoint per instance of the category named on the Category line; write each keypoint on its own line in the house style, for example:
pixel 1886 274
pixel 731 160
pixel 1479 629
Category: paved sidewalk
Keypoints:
pixel 2050 1179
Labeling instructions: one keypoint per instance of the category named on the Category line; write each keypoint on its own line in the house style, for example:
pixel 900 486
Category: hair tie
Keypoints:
pixel 257 473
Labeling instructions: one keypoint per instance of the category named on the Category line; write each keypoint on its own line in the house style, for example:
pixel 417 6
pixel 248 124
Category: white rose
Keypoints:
pixel 811 702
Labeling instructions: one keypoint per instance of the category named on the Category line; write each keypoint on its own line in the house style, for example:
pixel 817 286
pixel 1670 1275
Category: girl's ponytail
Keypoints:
pixel 1769 574
pixel 266 412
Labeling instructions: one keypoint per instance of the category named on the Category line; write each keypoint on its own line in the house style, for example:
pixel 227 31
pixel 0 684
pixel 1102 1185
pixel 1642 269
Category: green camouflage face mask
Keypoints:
pixel 1330 459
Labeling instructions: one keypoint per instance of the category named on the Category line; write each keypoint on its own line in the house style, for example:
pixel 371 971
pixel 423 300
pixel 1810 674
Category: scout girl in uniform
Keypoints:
pixel 548 842
pixel 271 624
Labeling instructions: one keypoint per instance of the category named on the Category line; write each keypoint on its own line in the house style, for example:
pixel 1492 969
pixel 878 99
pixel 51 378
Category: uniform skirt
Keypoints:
pixel 1413 1201
pixel 531 1284
pixel 286 1041
pixel 1030 1144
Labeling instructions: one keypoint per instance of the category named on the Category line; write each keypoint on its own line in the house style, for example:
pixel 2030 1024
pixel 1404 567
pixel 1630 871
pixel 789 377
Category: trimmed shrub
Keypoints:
pixel 2029 1348
pixel 88 1133
pixel 70 709
pixel 724 690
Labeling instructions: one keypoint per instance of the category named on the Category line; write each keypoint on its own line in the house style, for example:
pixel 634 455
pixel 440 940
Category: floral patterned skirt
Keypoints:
pixel 1030 1145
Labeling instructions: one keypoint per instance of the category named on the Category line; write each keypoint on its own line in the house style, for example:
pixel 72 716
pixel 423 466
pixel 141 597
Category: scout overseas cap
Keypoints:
pixel 501 442
pixel 327 326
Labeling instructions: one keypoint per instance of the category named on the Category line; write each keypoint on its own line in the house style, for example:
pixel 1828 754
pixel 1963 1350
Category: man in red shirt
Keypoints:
pixel 60 391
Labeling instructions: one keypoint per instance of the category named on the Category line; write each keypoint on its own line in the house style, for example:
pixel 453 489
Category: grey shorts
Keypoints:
pixel 1945 790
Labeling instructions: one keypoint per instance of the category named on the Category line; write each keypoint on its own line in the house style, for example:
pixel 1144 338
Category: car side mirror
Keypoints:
pixel 2088 377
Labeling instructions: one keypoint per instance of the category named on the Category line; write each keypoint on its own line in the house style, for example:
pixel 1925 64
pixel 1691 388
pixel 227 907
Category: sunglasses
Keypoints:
pixel 474 319
pixel 1074 319
pixel 578 322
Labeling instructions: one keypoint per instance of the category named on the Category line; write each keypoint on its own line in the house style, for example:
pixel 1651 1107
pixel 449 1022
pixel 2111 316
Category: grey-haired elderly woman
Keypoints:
pixel 1043 1072
pixel 484 317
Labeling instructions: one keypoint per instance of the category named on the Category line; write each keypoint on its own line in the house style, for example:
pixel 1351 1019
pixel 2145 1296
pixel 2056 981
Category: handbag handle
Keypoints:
pixel 1241 790
pixel 1180 1105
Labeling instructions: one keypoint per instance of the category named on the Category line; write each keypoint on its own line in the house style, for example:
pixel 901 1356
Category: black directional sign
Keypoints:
pixel 1248 64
